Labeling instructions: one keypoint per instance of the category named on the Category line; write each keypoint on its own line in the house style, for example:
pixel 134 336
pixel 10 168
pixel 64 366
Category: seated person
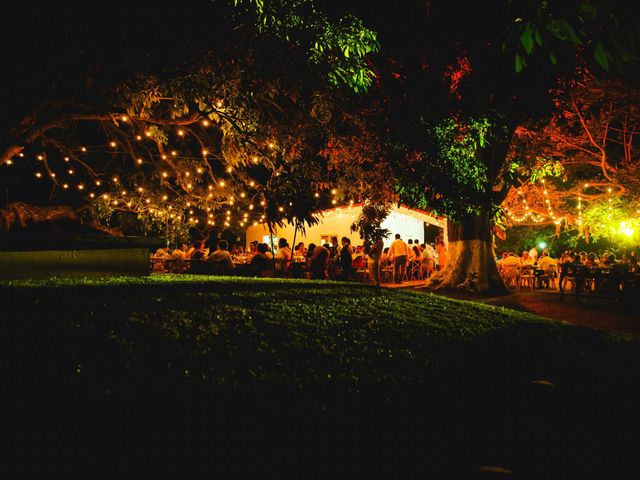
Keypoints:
pixel 301 249
pixel 161 253
pixel 359 258
pixel 318 261
pixel 283 257
pixel 592 260
pixel 262 260
pixel 512 260
pixel 219 261
pixel 527 259
pixel 199 252
pixel 504 255
pixel 253 248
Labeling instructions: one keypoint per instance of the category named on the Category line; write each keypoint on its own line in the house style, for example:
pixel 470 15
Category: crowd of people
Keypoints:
pixel 334 260
pixel 550 268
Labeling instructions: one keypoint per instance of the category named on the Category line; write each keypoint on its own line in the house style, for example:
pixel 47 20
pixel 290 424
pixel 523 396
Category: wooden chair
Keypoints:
pixel 527 277
pixel 511 276
pixel 415 267
pixel 386 271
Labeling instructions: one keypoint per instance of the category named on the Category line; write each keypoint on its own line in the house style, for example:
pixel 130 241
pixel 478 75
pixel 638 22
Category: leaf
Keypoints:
pixel 552 58
pixel 526 39
pixel 519 63
pixel 538 37
pixel 602 56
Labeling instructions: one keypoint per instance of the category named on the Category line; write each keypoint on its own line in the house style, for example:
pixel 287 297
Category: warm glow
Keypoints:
pixel 38 175
pixel 139 161
pixel 181 132
pixel 113 144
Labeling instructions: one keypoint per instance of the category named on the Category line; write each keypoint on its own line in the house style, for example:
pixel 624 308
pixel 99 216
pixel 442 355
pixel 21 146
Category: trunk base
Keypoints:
pixel 471 267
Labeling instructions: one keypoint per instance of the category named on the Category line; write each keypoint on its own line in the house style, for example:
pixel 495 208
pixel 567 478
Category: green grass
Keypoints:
pixel 185 371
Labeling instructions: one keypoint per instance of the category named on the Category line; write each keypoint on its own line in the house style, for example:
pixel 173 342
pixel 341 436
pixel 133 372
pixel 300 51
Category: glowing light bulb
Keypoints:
pixel 38 175
pixel 112 144
pixel 165 174
pixel 205 123
pixel 181 132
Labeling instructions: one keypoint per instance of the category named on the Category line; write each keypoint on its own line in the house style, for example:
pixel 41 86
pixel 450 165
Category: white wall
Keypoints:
pixel 408 223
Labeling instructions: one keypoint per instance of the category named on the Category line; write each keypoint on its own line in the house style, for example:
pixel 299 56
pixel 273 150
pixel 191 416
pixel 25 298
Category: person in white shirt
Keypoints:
pixel 526 259
pixel 398 253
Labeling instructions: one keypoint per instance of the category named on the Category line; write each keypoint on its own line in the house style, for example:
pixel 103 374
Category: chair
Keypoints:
pixel 511 276
pixel 386 271
pixel 363 275
pixel 527 278
pixel 415 267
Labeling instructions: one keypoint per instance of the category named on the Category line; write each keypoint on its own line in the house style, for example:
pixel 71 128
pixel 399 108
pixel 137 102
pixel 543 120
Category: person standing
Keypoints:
pixel 398 253
pixel 441 248
pixel 346 260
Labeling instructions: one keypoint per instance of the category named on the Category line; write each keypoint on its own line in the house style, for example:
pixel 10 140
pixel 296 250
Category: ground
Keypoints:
pixel 245 377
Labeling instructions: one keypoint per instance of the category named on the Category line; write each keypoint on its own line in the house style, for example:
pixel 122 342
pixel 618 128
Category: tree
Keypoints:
pixel 461 92
pixel 580 166
pixel 205 139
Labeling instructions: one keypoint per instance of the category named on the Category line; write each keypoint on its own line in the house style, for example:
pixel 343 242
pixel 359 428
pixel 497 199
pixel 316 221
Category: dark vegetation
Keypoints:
pixel 246 377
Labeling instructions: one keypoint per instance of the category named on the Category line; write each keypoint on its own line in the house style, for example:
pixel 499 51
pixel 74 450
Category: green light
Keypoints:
pixel 542 245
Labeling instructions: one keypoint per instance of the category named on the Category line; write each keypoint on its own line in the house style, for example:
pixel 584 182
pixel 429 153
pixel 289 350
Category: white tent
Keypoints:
pixel 407 222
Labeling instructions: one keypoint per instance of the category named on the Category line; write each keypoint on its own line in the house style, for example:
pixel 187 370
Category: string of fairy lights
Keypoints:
pixel 139 199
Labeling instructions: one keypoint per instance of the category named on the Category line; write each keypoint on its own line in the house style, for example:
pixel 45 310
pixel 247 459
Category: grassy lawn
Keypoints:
pixel 259 376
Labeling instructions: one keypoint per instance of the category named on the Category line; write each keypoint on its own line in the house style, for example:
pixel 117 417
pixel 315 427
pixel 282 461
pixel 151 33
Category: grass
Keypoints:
pixel 248 376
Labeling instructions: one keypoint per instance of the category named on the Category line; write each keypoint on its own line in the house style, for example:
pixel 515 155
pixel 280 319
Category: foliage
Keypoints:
pixel 341 46
pixel 209 140
pixel 368 223
pixel 448 175
pixel 591 25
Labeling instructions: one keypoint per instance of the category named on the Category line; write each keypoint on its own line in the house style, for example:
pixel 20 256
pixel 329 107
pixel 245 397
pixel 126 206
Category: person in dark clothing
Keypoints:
pixel 346 260
pixel 261 261
pixel 318 262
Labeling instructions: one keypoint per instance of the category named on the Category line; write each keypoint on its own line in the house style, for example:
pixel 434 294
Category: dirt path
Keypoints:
pixel 603 314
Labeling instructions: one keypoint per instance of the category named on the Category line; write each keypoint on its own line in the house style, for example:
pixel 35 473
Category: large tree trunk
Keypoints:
pixel 470 250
